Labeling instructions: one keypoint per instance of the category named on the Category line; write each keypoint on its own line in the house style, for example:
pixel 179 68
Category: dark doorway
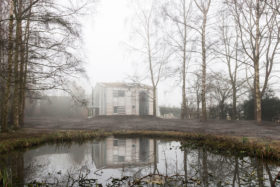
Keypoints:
pixel 96 111
pixel 143 103
pixel 144 149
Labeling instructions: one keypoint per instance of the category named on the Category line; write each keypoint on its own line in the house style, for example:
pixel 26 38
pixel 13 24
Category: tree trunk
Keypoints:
pixel 222 112
pixel 197 106
pixel 154 101
pixel 203 90
pixel 184 102
pixel 258 97
pixel 256 66
pixel 5 109
pixel 234 112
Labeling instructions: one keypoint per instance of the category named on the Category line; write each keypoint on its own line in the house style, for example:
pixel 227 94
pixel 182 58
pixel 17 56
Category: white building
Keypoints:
pixel 123 99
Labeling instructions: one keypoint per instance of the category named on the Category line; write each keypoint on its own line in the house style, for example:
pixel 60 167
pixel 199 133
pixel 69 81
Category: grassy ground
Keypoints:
pixel 251 146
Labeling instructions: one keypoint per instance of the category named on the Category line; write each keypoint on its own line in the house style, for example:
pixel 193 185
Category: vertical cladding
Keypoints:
pixel 109 101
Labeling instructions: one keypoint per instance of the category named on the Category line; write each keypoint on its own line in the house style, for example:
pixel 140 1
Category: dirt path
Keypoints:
pixel 266 130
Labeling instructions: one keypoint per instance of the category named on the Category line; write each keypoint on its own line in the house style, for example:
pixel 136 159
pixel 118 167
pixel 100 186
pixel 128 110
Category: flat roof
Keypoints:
pixel 123 85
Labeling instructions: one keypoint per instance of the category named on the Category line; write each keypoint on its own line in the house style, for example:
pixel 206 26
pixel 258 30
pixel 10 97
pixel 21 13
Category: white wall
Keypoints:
pixel 105 100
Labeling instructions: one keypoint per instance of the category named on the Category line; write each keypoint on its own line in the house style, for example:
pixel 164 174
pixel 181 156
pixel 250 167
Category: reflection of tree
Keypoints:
pixel 260 175
pixel 269 174
pixel 193 166
pixel 78 153
pixel 204 167
pixel 155 156
pixel 185 165
pixel 13 165
pixel 18 174
pixel 236 172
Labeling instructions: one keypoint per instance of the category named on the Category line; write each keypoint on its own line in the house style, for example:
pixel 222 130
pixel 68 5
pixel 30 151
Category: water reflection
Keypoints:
pixel 155 162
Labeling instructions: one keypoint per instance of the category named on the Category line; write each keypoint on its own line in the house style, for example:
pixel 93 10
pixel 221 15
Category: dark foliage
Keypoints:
pixel 167 110
pixel 270 107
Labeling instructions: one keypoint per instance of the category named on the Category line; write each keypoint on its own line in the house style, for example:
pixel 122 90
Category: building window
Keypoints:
pixel 118 93
pixel 115 143
pixel 133 106
pixel 121 158
pixel 119 142
pixel 122 142
pixel 115 109
pixel 119 110
pixel 117 158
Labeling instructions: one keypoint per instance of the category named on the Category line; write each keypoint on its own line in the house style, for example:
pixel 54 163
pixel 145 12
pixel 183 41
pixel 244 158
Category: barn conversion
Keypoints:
pixel 122 99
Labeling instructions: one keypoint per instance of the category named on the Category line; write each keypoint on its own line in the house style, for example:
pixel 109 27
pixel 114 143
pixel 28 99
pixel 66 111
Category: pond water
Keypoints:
pixel 116 161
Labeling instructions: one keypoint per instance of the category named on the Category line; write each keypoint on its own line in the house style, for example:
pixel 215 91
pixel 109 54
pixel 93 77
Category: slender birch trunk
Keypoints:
pixel 203 7
pixel 184 100
pixel 257 68
pixel 203 83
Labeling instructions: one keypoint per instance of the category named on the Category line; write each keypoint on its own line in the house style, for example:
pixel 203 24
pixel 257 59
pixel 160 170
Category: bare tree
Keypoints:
pixel 203 6
pixel 153 47
pixel 42 38
pixel 230 53
pixel 179 14
pixel 259 32
pixel 220 89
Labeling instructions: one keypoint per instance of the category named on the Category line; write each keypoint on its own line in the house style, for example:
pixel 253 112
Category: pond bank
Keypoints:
pixel 251 146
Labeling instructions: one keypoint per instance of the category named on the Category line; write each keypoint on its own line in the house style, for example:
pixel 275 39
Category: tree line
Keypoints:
pixel 220 50
pixel 38 51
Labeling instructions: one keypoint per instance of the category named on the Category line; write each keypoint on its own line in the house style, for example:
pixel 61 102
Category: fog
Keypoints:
pixel 202 57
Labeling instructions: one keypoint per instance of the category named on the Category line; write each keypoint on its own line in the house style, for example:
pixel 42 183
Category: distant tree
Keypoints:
pixel 179 13
pixel 220 89
pixel 173 110
pixel 228 49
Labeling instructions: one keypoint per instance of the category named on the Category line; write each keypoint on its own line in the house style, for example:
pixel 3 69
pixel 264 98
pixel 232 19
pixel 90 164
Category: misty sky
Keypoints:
pixel 106 33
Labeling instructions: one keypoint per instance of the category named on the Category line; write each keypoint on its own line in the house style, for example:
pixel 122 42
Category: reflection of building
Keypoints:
pixel 123 99
pixel 115 152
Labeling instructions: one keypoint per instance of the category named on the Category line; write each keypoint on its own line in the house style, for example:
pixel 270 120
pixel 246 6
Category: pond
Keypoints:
pixel 141 161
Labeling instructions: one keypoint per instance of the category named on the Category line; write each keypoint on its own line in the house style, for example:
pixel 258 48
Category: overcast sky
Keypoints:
pixel 106 33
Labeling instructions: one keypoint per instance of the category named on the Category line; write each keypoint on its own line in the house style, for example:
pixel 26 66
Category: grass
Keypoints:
pixel 256 147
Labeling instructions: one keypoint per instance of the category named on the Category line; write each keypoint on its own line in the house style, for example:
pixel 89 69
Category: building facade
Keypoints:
pixel 123 99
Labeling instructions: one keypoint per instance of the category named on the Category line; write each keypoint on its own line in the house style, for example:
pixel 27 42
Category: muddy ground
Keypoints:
pixel 266 130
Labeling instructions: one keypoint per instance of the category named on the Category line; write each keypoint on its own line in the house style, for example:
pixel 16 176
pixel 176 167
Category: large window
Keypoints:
pixel 119 110
pixel 115 109
pixel 118 93
pixel 119 142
